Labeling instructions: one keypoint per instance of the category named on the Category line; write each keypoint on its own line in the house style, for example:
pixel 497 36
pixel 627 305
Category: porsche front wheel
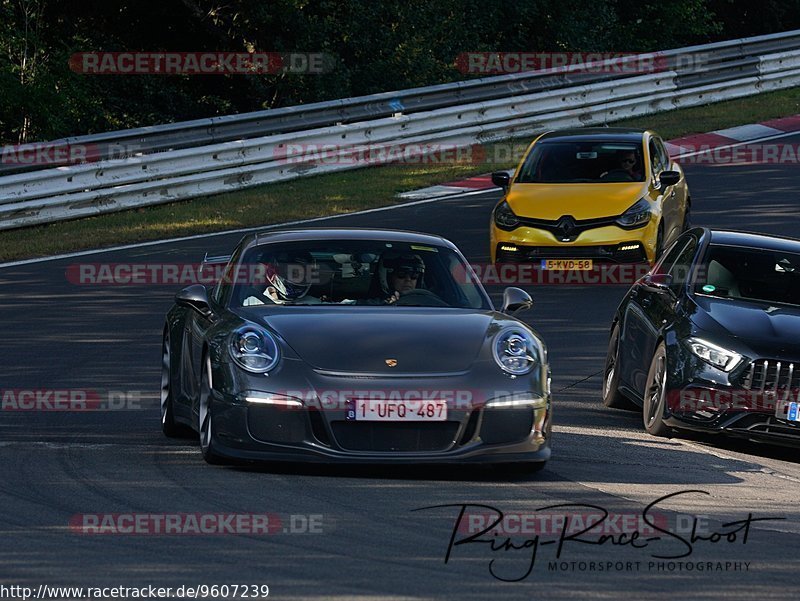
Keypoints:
pixel 206 416
pixel 168 425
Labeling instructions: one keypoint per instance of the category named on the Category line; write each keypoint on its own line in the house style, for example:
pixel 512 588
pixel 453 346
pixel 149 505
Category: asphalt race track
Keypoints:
pixel 355 534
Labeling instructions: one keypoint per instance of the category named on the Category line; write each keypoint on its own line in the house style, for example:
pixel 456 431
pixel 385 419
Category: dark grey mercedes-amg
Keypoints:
pixel 710 339
pixel 359 346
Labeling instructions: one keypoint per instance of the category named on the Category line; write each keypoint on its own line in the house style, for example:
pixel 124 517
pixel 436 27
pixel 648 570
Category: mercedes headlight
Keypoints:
pixel 717 356
pixel 637 216
pixel 254 349
pixel 504 217
pixel 516 351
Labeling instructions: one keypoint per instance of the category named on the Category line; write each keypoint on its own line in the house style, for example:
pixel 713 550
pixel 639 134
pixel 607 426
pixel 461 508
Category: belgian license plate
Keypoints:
pixel 373 410
pixel 567 264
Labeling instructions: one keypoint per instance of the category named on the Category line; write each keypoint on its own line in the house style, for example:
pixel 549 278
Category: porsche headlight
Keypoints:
pixel 504 217
pixel 254 349
pixel 636 216
pixel 515 351
pixel 717 356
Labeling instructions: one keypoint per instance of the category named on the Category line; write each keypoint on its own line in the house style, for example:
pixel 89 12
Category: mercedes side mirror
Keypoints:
pixel 657 281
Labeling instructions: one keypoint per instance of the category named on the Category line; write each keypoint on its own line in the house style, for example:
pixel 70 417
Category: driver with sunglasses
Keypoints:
pixel 628 164
pixel 398 274
pixel 405 276
pixel 626 171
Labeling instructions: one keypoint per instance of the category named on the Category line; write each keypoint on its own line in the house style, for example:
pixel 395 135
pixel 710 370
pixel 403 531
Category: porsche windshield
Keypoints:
pixel 352 272
pixel 564 162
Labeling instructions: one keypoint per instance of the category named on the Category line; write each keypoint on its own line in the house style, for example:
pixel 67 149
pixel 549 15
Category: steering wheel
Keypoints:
pixel 618 175
pixel 421 298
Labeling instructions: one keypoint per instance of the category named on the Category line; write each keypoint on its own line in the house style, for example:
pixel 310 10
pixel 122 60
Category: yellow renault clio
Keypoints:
pixel 591 195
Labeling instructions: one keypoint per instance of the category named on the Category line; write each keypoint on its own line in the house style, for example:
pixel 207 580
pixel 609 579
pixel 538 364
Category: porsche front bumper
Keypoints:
pixel 315 433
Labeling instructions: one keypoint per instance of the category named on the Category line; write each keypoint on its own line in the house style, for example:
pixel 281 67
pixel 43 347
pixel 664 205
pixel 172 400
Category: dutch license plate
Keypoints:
pixel 373 410
pixel 567 264
pixel 793 412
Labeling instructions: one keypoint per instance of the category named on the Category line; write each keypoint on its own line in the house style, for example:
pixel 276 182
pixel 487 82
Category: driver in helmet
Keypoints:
pixel 398 274
pixel 288 278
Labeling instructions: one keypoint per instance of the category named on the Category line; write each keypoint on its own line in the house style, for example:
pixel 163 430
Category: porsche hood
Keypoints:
pixel 381 341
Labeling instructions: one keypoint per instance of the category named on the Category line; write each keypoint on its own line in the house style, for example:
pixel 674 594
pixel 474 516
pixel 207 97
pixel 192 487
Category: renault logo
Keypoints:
pixel 566 226
pixel 391 362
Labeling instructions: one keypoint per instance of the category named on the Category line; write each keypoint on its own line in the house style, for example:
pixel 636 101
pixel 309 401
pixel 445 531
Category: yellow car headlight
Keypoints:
pixel 504 217
pixel 636 216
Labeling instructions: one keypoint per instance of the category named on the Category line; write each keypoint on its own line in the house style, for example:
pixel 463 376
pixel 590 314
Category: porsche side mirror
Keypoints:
pixel 516 299
pixel 195 297
pixel 669 178
pixel 501 179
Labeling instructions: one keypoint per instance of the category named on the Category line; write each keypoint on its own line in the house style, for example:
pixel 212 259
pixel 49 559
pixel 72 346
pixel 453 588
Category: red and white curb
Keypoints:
pixel 733 135
pixel 479 182
pixel 693 144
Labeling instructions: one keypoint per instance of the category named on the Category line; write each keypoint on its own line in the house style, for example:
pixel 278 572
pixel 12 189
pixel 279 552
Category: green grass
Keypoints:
pixel 338 193
pixel 711 117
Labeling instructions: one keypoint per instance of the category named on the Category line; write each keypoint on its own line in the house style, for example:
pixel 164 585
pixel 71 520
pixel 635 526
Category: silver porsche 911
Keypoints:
pixel 358 346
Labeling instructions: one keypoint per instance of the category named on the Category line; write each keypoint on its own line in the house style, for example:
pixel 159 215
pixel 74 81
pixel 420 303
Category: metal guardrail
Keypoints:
pixel 201 132
pixel 197 158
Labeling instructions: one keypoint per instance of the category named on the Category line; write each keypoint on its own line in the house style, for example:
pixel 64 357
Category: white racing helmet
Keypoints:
pixel 289 273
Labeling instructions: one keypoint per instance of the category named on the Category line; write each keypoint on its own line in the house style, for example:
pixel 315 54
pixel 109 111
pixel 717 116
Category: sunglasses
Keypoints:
pixel 407 273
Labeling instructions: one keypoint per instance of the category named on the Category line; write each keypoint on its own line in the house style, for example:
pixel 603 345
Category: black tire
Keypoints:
pixel 205 420
pixel 659 241
pixel 687 216
pixel 169 426
pixel 655 394
pixel 612 397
